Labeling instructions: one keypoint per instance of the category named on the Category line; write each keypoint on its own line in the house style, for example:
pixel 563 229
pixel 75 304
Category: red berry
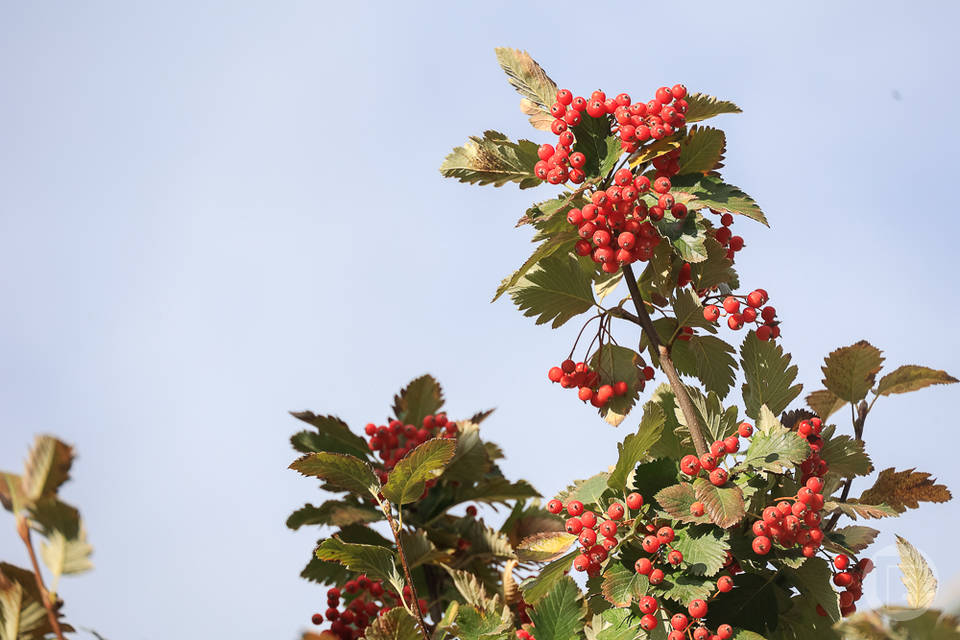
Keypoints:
pixel 615 511
pixel 661 184
pixel 843 579
pixel 756 299
pixel 761 545
pixel 648 622
pixel 841 562
pixel 724 632
pixel 575 507
pixel 608 528
pixel 565 97
pixel 674 557
pixel 581 562
pixel 697 509
pixel 768 313
pixel 724 584
pixel 718 477
pixel 656 576
pixel 666 534
pixel 554 506
pixel 697 608
pixel 711 313
pixel 731 304
pixel 702 633
pixel 745 430
pixel 679 621
pixel 574 526
pixel 316 618
pixel 678 91
pixel 588 537
pixel 643 566
pixel 650 544
pixel 648 604
pixel 585 394
pixel 764 333
pixel 708 461
pixel 634 501
pixel 735 321
pixel 555 374
pixel 589 519
pixel 690 465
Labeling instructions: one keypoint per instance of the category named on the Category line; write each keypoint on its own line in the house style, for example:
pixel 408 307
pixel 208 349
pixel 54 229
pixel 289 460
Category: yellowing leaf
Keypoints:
pixel 545 547
pixel 493 159
pixel 905 489
pixel 911 377
pixel 917 576
pixel 825 403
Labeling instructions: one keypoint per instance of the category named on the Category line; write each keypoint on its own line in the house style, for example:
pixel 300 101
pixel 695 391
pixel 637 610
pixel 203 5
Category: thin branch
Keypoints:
pixel 395 529
pixel 23 528
pixel 666 363
pixel 859 417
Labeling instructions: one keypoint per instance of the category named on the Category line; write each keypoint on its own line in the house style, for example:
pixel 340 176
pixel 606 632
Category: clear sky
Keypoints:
pixel 212 213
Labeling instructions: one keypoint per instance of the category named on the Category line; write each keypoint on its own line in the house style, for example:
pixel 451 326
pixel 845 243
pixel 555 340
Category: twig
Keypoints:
pixel 23 528
pixel 395 529
pixel 666 363
pixel 858 420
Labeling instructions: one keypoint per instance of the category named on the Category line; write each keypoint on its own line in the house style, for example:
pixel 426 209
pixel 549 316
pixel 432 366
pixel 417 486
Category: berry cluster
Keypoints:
pixel 395 440
pixel 814 466
pixel 793 521
pixel 572 374
pixel 849 577
pixel 683 627
pixel 710 462
pixel 725 237
pixel 363 600
pixel 597 537
pixel 754 311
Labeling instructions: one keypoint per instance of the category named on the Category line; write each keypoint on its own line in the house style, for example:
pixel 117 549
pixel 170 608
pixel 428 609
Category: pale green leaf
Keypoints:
pixel 493 159
pixel 768 376
pixel 701 151
pixel 408 478
pixel 911 377
pixel 556 290
pixel 559 616
pixel 635 446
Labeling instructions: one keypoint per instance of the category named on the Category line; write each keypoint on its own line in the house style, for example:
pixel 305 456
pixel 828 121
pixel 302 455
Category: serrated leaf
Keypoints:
pixel 489 622
pixel 704 548
pixel 497 490
pixel 775 449
pixel 545 547
pixel 538 586
pixel 559 616
pixel 65 550
pixel 724 504
pixel 591 140
pixel 470 462
pixel 616 624
pixel 614 363
pixel 849 372
pixel 911 377
pixel 701 106
pixel 422 397
pixel 334 513
pixel 493 159
pixel 917 577
pixel 587 491
pixel 556 290
pixel 682 587
pixel 701 151
pixel 635 446
pixel 709 359
pixel 652 476
pixel 718 422
pixel 332 435
pixel 699 192
pixel 605 283
pixel 408 478
pixel 654 150
pixel 395 624
pixel 469 587
pixel 527 77
pixel 323 572
pixel 846 456
pixel 621 585
pixel 716 270
pixel 12 496
pixel 768 376
pixel 687 236
pixel 419 550
pixel 824 403
pixel 853 538
pixel 375 561
pixel 676 501
pixel 854 509
pixel 539 118
pixel 22 615
pixel 905 489
pixel 47 467
pixel 561 242
pixel 340 470
pixel 813 580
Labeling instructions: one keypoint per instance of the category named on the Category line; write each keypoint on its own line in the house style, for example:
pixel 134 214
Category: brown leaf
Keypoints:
pixel 511 592
pixel 905 489
pixel 824 403
pixel 911 377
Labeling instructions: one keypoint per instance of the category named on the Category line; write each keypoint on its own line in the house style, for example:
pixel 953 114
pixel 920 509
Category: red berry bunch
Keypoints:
pixel 637 122
pixel 572 374
pixel 850 578
pixel 754 311
pixel 711 462
pixel 363 600
pixel 792 521
pixel 523 634
pixel 725 237
pixel 683 628
pixel 392 442
pixel 814 465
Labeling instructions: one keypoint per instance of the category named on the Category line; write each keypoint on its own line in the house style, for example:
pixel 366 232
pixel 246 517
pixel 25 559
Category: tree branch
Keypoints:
pixel 23 528
pixel 666 363
pixel 395 529
pixel 858 421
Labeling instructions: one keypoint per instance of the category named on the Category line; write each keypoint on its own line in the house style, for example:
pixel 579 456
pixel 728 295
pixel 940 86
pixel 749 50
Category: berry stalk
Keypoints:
pixel 666 363
pixel 395 530
pixel 23 528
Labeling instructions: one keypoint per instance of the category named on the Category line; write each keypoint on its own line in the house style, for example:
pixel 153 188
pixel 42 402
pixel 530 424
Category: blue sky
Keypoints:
pixel 212 213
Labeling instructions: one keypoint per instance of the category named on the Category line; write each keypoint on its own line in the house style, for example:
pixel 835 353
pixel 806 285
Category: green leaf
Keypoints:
pixel 824 403
pixel 905 489
pixel 615 363
pixel 605 283
pixel 846 456
pixel 65 550
pixel 718 422
pixel 527 77
pixel 561 242
pixel 676 500
pixel 849 372
pixel 612 155
pixel 538 586
pixel 622 585
pixel 323 572
pixel 497 490
pixel 709 359
pixel 395 624
pixel 556 290
pixel 490 622
pixel 559 616
pixel 852 539
pixel 419 550
pixel 470 462
pixel 332 436
pixel 701 106
pixel 616 624
pixel 341 471
pixel 48 467
pixel 422 397
pixel 689 310
pixel 591 140
pixel 716 270
pixel 813 580
pixel 635 446
pixel 768 376
pixel 408 478
pixel 724 504
pixel 469 587
pixel 586 491
pixel 776 449
pixel 545 547
pixel 493 159
pixel 687 236
pixel 375 561
pixel 911 377
pixel 699 192
pixel 682 587
pixel 704 548
pixel 701 151
pixel 650 477
pixel 334 513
